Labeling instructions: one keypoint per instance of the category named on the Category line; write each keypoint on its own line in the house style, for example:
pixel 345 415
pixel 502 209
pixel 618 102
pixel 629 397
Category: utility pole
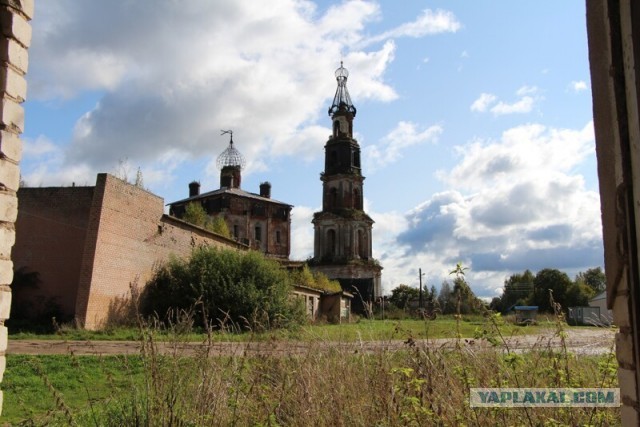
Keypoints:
pixel 420 277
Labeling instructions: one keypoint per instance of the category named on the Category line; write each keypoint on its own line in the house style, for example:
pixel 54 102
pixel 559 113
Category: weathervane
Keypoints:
pixel 230 132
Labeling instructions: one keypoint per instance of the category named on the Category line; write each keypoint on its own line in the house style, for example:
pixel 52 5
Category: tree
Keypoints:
pixel 139 179
pixel 578 295
pixel 432 297
pixel 195 214
pixel 550 280
pixel 402 294
pixel 518 289
pixel 465 300
pixel 594 278
pixel 446 299
pixel 218 225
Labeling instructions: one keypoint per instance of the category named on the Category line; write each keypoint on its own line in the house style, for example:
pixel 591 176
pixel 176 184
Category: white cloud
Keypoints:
pixel 302 232
pixel 515 203
pixel 528 97
pixel 527 90
pixel 483 102
pixel 390 148
pixel 523 105
pixel 428 23
pixel 578 86
pixel 38 147
pixel 218 66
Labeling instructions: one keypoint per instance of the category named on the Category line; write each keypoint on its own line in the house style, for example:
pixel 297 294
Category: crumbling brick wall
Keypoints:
pixel 127 237
pixel 15 39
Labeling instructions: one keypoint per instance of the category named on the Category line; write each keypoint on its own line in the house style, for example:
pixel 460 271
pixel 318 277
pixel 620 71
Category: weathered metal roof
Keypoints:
pixel 232 191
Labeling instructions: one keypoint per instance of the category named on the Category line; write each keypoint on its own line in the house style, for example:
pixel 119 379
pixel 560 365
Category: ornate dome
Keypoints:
pixel 230 156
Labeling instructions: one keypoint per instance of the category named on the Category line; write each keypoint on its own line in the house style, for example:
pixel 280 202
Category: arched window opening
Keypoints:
pixel 331 242
pixel 362 245
pixel 357 200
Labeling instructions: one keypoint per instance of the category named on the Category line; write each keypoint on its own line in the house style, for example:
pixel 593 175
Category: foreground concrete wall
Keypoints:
pixel 15 39
pixel 127 237
pixel 614 48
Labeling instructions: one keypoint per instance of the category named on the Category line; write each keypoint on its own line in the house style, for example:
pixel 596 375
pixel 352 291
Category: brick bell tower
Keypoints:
pixel 342 239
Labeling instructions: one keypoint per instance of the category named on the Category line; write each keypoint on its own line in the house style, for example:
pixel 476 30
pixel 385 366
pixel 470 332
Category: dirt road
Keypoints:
pixel 579 341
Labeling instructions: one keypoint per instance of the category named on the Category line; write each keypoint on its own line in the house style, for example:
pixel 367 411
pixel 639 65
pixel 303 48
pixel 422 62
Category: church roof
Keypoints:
pixel 231 191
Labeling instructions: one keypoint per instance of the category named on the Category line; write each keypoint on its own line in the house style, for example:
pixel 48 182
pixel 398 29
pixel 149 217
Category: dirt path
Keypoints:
pixel 579 341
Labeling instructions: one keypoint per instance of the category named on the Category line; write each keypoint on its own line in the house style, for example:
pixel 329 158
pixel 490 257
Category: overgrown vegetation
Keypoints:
pixel 316 280
pixel 196 215
pixel 325 383
pixel 244 288
pixel 446 326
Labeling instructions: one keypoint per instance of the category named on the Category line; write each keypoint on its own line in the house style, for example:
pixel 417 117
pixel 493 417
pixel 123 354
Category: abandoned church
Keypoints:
pixel 90 244
pixel 256 220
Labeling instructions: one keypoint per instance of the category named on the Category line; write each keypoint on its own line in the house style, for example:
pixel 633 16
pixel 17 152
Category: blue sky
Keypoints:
pixel 474 118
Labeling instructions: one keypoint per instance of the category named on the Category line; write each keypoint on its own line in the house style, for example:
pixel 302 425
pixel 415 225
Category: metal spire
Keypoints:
pixel 342 100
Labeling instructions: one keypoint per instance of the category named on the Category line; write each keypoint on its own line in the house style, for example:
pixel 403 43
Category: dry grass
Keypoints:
pixel 337 386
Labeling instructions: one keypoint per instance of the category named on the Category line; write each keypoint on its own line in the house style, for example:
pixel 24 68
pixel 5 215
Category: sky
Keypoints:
pixel 474 118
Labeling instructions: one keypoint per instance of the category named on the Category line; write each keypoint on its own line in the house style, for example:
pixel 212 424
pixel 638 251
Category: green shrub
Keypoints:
pixel 222 286
pixel 316 280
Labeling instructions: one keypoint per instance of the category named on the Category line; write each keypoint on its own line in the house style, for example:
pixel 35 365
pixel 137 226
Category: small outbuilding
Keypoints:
pixel 526 314
pixel 583 316
pixel 334 307
pixel 310 297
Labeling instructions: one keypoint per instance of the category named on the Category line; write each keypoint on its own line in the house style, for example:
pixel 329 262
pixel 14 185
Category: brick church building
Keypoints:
pixel 342 238
pixel 254 219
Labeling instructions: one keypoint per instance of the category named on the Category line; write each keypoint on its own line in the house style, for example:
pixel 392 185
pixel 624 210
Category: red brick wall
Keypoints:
pixel 50 238
pixel 90 243
pixel 128 236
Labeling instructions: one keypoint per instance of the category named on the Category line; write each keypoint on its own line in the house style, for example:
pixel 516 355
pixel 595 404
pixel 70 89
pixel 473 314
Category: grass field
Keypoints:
pixel 403 388
pixel 415 385
pixel 443 327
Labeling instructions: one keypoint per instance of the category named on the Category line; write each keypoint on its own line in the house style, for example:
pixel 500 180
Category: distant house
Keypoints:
pixel 600 300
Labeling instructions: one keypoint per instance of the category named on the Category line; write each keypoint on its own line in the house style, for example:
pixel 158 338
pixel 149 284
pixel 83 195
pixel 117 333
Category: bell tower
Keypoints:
pixel 342 238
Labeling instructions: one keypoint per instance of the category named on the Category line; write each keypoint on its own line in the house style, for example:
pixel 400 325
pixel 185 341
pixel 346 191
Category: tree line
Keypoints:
pixel 527 288
pixel 524 288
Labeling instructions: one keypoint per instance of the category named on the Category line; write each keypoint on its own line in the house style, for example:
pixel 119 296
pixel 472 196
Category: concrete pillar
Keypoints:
pixel 613 28
pixel 15 39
